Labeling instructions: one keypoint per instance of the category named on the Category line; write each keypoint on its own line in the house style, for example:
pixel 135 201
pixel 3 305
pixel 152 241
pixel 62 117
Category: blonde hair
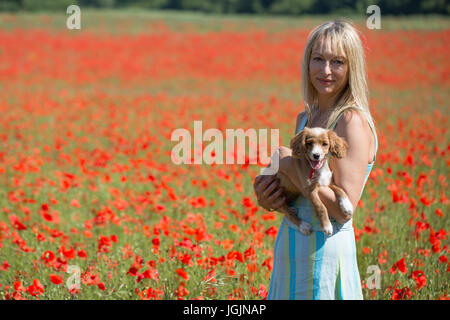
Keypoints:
pixel 341 36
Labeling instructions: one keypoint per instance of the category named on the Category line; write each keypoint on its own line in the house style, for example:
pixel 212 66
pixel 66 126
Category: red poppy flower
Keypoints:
pixel 36 288
pixel 55 279
pixel 272 231
pixel 48 256
pixel 182 274
pixel 420 278
pixel 4 266
pixel 18 286
pixel 182 291
pixel 399 265
pixel 401 294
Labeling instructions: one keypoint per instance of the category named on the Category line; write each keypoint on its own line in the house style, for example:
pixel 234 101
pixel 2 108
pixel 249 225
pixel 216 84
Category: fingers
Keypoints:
pixel 277 199
pixel 262 183
pixel 279 203
pixel 268 191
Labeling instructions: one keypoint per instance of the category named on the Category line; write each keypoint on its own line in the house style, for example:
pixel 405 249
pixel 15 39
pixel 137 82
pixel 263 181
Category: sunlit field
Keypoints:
pixel 88 187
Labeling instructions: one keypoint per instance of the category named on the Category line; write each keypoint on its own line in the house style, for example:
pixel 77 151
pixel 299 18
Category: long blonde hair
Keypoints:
pixel 342 37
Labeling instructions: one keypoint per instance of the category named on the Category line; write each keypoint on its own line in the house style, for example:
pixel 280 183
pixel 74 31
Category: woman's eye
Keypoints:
pixel 338 61
pixel 317 59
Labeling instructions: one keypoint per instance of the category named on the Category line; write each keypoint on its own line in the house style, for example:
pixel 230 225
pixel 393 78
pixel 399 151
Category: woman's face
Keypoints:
pixel 328 71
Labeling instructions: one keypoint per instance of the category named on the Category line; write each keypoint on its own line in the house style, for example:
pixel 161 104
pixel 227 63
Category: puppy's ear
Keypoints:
pixel 298 144
pixel 338 146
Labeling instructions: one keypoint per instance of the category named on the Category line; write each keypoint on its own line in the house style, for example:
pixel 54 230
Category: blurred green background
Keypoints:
pixel 282 7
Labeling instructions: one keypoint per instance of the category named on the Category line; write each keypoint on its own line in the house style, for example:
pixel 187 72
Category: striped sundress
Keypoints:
pixel 316 266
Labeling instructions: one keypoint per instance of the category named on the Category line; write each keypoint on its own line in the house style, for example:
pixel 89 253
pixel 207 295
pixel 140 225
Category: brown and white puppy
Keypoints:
pixel 304 167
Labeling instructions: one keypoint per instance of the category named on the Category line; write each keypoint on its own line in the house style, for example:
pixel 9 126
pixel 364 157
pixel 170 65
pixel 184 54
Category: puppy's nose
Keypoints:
pixel 316 156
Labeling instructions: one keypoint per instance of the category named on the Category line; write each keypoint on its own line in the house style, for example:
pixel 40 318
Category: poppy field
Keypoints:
pixel 92 207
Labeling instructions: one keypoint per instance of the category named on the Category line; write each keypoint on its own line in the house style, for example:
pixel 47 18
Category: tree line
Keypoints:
pixel 282 7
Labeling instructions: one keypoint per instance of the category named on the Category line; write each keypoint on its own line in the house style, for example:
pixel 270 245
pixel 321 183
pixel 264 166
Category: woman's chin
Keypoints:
pixel 325 91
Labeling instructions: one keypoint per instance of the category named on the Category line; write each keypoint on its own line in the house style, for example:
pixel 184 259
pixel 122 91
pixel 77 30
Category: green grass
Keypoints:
pixel 132 21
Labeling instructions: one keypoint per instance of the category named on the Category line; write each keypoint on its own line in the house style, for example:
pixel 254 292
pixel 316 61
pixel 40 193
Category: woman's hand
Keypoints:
pixel 268 192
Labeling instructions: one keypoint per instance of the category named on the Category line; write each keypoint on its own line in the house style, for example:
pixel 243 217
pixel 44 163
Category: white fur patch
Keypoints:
pixel 328 229
pixel 305 228
pixel 317 131
pixel 324 177
pixel 316 150
pixel 346 206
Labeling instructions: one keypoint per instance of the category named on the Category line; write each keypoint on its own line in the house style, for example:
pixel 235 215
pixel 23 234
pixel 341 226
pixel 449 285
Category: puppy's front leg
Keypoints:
pixel 291 215
pixel 321 212
pixel 344 203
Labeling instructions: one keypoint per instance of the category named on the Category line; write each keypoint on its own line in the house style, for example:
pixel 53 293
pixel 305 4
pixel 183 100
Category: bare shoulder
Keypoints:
pixel 354 128
pixel 353 124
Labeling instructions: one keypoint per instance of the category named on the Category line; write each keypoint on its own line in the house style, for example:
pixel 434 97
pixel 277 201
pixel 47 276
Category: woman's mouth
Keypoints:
pixel 326 82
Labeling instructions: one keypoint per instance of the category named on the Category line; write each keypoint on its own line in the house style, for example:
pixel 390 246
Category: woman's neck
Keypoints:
pixel 326 104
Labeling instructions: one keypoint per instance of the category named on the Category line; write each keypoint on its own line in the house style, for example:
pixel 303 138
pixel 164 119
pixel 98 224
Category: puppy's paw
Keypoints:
pixel 305 228
pixel 292 211
pixel 328 229
pixel 293 219
pixel 346 206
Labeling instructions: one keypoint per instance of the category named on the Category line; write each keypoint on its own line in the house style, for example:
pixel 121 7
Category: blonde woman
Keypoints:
pixel 335 92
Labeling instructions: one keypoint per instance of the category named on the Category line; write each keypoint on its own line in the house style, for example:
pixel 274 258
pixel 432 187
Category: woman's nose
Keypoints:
pixel 327 68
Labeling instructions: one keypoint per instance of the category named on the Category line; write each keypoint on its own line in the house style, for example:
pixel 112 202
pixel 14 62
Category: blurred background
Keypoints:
pixel 86 176
pixel 282 7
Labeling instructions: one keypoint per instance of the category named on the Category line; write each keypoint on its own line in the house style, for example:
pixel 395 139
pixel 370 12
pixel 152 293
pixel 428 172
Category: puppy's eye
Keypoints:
pixel 324 144
pixel 309 144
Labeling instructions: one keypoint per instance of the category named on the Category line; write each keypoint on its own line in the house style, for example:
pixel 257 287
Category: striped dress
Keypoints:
pixel 316 266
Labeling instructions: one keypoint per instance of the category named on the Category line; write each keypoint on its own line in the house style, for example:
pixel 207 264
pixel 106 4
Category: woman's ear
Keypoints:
pixel 338 146
pixel 297 143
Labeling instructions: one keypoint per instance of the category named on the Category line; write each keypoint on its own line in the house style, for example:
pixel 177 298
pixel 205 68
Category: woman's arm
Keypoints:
pixel 348 172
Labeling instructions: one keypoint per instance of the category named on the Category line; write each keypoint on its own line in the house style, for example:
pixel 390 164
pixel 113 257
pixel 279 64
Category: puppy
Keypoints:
pixel 304 167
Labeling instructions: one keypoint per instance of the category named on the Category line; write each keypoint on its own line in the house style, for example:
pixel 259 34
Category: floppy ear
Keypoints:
pixel 298 143
pixel 338 146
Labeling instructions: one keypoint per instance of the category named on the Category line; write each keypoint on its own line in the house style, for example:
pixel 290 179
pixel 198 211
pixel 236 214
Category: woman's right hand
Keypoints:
pixel 268 192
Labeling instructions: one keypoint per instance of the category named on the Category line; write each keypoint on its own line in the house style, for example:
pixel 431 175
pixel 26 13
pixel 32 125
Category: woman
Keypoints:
pixel 334 85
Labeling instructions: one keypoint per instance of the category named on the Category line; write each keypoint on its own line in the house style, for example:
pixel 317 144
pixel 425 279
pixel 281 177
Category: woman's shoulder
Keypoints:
pixel 353 117
pixel 354 125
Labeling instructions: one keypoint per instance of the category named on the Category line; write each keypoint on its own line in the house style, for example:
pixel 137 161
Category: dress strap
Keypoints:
pixel 372 127
pixel 303 123
pixel 333 125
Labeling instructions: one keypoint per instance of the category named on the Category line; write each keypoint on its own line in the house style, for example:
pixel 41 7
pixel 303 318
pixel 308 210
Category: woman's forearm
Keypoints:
pixel 330 201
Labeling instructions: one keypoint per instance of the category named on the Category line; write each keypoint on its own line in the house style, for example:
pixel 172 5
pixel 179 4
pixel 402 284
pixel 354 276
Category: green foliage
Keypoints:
pixel 288 7
pixel 42 5
pixel 293 6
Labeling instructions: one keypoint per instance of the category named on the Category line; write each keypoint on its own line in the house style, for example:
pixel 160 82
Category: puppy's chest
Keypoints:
pixel 324 176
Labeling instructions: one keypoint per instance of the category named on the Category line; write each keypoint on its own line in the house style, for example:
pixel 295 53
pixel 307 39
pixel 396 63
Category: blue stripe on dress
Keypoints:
pixel 292 261
pixel 276 263
pixel 318 259
pixel 287 270
pixel 302 264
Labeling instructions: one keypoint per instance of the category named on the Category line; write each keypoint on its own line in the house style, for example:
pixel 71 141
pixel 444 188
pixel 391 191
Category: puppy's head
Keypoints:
pixel 314 144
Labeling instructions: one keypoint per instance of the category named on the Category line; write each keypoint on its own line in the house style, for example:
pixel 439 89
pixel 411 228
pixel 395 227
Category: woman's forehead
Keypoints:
pixel 327 47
